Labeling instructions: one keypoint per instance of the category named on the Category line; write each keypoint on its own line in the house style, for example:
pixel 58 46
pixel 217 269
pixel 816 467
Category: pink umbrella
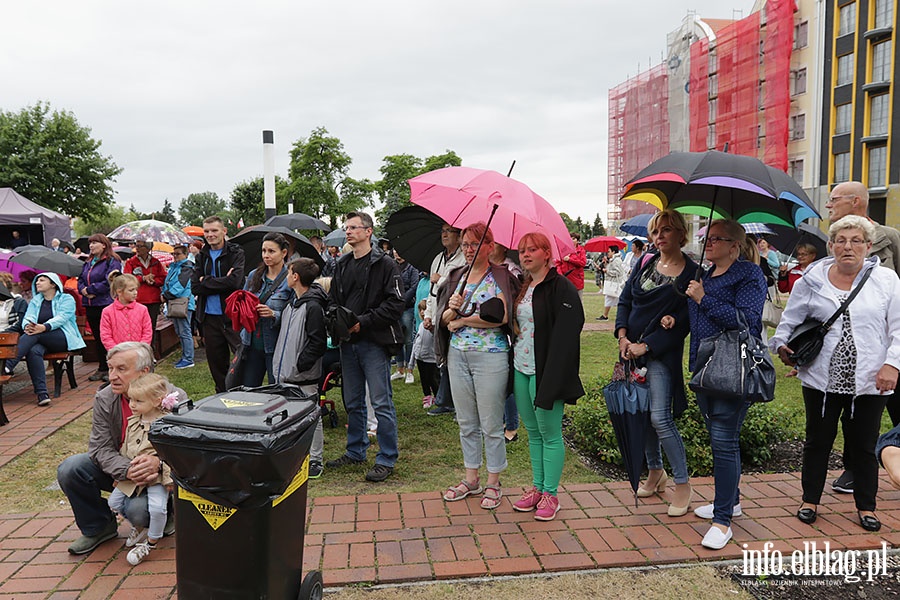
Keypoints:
pixel 463 196
pixel 601 243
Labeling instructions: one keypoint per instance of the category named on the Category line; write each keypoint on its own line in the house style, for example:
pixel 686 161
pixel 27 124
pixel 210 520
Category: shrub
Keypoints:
pixel 765 426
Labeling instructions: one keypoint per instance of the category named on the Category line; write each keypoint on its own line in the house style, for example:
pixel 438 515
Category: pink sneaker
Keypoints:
pixel 428 401
pixel 528 501
pixel 547 507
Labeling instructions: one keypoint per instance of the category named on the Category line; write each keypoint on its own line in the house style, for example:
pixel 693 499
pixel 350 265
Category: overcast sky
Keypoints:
pixel 179 92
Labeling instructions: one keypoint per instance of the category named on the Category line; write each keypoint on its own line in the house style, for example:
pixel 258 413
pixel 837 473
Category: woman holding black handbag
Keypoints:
pixel 857 366
pixel 733 283
pixel 651 324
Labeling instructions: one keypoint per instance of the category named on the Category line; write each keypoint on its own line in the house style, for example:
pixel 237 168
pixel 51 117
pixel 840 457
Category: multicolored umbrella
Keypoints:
pixel 721 185
pixel 149 229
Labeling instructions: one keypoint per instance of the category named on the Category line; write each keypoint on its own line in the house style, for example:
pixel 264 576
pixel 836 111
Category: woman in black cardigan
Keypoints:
pixel 546 357
pixel 651 325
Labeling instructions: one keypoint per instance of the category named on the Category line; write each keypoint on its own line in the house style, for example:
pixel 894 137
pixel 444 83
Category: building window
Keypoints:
pixel 843 115
pixel 713 85
pixel 799 82
pixel 713 109
pixel 795 169
pixel 881 62
pixel 761 95
pixel 801 35
pixel 798 127
pixel 711 137
pixel 878 116
pixel 845 69
pixel 877 166
pixel 884 14
pixel 842 167
pixel 847 19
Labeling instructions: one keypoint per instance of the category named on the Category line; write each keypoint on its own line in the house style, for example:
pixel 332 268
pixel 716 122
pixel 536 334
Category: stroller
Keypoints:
pixel 331 378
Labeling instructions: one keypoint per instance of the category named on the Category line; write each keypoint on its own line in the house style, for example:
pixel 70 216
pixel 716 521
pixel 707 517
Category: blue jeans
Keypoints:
pixel 511 414
pixel 366 363
pixel 724 418
pixel 406 322
pixel 663 432
pixel 32 349
pixel 479 381
pixel 183 330
pixel 259 364
pixel 82 481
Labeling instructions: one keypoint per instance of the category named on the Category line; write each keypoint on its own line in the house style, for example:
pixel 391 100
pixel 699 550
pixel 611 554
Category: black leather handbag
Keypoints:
pixel 807 338
pixel 735 364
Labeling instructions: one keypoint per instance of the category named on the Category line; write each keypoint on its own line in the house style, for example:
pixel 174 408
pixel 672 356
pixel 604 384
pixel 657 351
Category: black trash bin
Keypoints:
pixel 241 461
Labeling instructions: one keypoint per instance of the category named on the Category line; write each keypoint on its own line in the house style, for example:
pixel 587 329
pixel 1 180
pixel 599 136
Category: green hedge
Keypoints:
pixel 765 426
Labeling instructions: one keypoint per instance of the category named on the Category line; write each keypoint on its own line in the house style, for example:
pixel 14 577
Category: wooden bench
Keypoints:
pixel 8 344
pixel 64 362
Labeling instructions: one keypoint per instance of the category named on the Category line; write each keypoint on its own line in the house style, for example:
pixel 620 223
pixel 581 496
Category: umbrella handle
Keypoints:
pixel 463 310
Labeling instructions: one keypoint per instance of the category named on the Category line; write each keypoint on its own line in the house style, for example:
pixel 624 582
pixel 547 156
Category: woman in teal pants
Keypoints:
pixel 549 318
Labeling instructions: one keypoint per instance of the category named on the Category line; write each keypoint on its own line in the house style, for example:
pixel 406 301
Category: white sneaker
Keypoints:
pixel 706 511
pixel 139 553
pixel 715 539
pixel 409 378
pixel 136 537
pixel 396 375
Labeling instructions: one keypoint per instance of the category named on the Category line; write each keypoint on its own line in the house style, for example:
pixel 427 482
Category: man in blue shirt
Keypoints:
pixel 219 272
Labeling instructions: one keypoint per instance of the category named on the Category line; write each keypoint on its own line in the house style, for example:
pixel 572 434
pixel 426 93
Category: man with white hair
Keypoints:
pixel 84 476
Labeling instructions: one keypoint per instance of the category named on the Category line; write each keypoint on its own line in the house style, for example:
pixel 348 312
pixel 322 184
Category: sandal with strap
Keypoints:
pixel 492 496
pixel 462 490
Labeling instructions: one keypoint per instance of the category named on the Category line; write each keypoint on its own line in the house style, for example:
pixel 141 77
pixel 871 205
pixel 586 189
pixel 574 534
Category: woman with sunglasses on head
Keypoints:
pixel 855 373
pixel 475 345
pixel 651 324
pixel 733 284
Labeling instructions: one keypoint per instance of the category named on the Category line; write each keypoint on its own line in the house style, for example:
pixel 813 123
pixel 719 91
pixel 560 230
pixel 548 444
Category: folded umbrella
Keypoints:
pixel 240 307
pixel 628 404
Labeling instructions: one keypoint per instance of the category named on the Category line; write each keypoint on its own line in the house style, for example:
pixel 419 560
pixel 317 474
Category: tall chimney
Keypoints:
pixel 269 172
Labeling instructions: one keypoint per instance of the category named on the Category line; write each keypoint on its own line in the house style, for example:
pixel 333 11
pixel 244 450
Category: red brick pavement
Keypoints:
pixel 387 538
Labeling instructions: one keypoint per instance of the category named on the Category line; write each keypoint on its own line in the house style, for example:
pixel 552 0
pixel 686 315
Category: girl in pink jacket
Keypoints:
pixel 125 320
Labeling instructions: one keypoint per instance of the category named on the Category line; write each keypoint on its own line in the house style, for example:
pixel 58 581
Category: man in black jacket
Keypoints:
pixel 367 282
pixel 218 273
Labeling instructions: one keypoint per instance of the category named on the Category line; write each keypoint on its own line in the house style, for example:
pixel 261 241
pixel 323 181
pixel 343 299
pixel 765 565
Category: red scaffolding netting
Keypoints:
pixel 638 135
pixel 778 44
pixel 736 78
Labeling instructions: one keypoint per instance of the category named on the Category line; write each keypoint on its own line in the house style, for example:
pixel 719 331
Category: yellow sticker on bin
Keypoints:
pixel 229 403
pixel 298 480
pixel 215 514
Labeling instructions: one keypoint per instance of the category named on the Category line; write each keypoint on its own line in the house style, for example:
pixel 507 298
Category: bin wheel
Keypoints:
pixel 311 588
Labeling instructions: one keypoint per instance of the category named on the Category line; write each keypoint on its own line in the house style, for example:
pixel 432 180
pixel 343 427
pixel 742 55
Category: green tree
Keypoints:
pixel 318 169
pixel 167 214
pixel 598 228
pixel 197 207
pixel 567 220
pixel 248 199
pixel 393 190
pixel 51 159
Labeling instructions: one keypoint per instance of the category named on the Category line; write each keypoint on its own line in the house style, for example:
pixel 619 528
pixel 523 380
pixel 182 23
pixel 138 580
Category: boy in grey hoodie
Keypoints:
pixel 302 343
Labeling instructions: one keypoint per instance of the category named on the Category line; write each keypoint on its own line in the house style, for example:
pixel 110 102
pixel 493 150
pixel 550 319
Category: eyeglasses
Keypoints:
pixel 449 230
pixel 467 245
pixel 833 198
pixel 713 239
pixel 852 242
pixel 354 227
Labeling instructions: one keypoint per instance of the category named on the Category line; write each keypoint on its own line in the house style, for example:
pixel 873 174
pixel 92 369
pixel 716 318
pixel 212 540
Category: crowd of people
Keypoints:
pixel 482 332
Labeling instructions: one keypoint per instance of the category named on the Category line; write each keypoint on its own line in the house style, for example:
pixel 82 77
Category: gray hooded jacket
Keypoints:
pixel 302 339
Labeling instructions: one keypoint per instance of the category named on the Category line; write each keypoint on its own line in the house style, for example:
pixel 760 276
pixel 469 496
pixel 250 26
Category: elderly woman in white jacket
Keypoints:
pixel 857 367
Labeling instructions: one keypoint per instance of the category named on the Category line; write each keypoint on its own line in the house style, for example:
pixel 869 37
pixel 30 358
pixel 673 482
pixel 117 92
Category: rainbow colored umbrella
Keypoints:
pixel 721 185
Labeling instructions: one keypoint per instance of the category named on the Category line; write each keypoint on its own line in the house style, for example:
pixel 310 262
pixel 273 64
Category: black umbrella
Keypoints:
pixel 5 293
pixel 83 244
pixel 49 260
pixel 628 404
pixel 32 248
pixel 787 238
pixel 298 221
pixel 251 239
pixel 415 233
